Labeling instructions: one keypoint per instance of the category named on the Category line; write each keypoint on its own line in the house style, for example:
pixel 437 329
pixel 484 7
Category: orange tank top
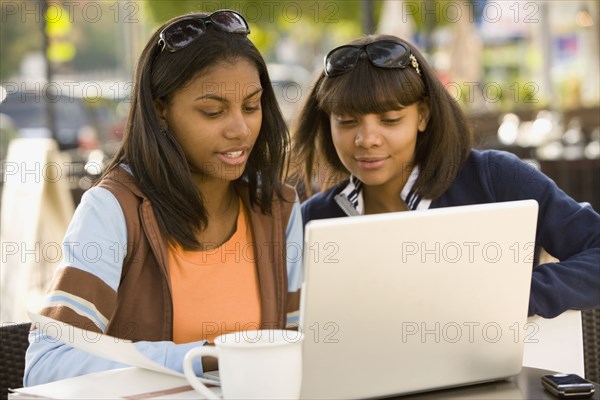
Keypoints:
pixel 216 291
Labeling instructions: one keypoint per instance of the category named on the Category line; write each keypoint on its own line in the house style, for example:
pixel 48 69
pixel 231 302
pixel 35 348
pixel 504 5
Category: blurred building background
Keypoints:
pixel 525 72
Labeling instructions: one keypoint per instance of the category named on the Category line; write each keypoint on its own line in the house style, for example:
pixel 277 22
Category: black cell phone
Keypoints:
pixel 568 385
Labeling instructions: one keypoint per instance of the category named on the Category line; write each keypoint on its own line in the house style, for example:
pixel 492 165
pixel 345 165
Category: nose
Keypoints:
pixel 367 135
pixel 237 126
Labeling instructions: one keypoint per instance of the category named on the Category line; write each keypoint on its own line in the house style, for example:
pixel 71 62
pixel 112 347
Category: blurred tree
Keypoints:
pixel 97 27
pixel 93 28
pixel 435 13
pixel 18 36
pixel 97 45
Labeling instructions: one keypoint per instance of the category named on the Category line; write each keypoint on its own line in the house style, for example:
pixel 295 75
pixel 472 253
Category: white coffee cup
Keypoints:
pixel 259 364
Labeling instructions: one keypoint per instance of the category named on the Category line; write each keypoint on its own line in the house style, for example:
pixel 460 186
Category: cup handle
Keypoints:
pixel 188 370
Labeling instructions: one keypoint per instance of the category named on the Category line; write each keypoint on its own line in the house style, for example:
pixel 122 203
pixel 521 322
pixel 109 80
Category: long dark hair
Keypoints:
pixel 441 149
pixel 158 162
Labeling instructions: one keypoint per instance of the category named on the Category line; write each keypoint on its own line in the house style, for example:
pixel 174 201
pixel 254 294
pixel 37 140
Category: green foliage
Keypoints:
pixel 310 23
pixel 263 13
pixel 96 46
pixel 98 27
pixel 435 13
pixel 17 38
pixel 95 30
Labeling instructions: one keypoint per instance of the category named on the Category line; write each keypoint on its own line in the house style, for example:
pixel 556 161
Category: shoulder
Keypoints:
pixel 99 219
pixel 285 201
pixel 498 166
pixel 486 157
pixel 99 198
pixel 281 203
pixel 322 205
pixel 101 205
pixel 121 181
pixel 288 194
pixel 505 176
pixel 123 185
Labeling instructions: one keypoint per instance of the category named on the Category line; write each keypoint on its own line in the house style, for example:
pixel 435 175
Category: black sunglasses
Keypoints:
pixel 382 54
pixel 179 34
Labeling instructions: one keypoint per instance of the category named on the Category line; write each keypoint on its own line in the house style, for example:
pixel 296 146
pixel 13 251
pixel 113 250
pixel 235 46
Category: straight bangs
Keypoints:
pixel 367 89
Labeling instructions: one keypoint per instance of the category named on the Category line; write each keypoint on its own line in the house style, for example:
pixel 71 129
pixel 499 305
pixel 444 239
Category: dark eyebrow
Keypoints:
pixel 224 100
pixel 257 91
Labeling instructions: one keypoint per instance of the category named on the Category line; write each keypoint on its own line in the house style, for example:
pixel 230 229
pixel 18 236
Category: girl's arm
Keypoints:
pixel 567 230
pixel 93 252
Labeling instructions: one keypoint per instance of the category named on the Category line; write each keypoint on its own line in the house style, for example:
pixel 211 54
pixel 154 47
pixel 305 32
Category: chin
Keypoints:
pixel 371 179
pixel 228 174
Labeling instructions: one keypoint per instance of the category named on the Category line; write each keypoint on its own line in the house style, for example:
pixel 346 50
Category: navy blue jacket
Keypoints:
pixel 567 230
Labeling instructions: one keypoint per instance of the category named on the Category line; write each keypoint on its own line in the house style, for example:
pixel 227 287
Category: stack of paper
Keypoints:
pixel 145 380
pixel 125 383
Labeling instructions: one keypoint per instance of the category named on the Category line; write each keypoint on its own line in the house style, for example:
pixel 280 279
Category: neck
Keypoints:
pixel 218 197
pixel 222 205
pixel 381 200
pixel 385 198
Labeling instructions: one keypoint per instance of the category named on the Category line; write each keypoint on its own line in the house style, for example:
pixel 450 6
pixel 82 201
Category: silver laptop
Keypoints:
pixel 415 301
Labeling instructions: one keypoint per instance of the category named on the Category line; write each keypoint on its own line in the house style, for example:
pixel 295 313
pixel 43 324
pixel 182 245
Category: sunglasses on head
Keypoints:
pixel 179 34
pixel 382 54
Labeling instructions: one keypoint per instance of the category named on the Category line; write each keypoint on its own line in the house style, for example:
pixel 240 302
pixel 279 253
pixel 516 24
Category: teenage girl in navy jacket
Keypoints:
pixel 380 127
